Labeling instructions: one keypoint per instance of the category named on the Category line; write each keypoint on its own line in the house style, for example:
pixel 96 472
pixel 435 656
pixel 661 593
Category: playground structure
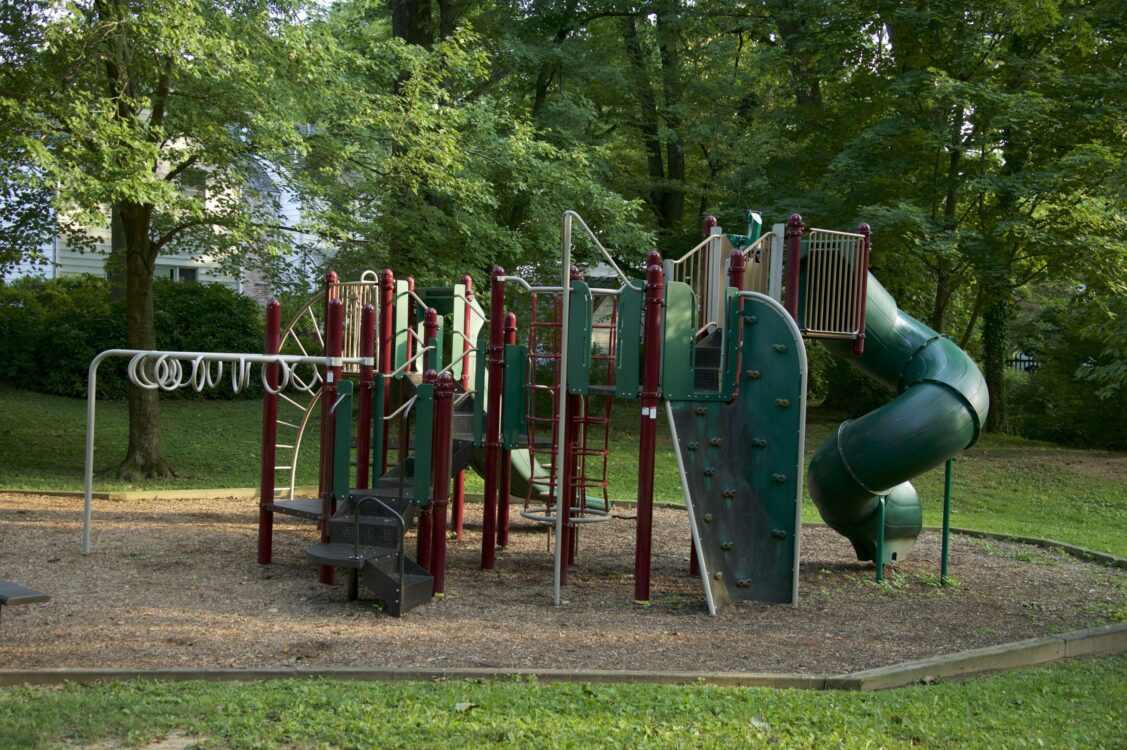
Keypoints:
pixel 717 334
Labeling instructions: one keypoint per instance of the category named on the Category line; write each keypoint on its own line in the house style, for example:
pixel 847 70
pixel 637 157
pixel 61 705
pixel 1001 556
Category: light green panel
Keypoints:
pixel 677 348
pixel 402 305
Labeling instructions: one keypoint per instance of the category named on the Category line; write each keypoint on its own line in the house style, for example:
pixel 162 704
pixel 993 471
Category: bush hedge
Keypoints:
pixel 50 330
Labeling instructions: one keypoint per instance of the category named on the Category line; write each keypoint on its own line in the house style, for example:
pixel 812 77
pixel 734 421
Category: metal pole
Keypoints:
pixel 880 539
pixel 561 414
pixel 387 346
pixel 862 294
pixel 496 363
pixel 364 398
pixel 506 457
pixel 948 470
pixel 334 342
pixel 269 435
pixel 794 259
pixel 647 438
pixel 443 418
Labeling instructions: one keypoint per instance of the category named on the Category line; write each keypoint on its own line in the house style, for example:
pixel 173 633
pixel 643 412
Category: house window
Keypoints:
pixel 187 274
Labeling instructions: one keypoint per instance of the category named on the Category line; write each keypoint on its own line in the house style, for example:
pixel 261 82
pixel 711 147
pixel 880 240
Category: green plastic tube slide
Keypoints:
pixel 940 407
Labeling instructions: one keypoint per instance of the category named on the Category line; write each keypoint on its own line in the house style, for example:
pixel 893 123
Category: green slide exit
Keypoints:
pixel 940 407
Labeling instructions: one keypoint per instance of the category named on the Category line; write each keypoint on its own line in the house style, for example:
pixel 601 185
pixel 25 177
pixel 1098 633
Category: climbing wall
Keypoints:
pixel 743 465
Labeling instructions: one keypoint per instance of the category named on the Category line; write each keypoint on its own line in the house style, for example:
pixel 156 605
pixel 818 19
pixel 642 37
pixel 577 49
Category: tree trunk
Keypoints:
pixel 995 331
pixel 411 21
pixel 145 458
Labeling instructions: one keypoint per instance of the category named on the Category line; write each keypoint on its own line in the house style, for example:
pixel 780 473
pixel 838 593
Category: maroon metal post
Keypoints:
pixel 863 291
pixel 708 225
pixel 334 343
pixel 694 561
pixel 423 533
pixel 457 513
pixel 737 265
pixel 443 434
pixel 364 398
pixel 506 458
pixel 793 238
pixel 387 344
pixel 269 435
pixel 496 364
pixel 430 336
pixel 647 438
pixel 332 291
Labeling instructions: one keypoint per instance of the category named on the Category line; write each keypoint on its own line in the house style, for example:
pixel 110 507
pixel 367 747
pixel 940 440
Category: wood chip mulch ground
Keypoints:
pixel 175 584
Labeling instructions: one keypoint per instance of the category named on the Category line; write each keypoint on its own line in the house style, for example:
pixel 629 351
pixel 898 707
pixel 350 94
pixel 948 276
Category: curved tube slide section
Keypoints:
pixel 939 411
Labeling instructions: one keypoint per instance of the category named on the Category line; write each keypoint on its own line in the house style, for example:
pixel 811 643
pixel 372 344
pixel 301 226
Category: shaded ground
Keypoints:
pixel 175 584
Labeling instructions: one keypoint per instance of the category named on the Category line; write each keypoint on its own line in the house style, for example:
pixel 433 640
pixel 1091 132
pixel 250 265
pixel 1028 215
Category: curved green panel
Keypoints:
pixel 743 465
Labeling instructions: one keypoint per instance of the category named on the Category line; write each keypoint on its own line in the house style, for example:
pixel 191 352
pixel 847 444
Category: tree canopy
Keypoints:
pixel 983 141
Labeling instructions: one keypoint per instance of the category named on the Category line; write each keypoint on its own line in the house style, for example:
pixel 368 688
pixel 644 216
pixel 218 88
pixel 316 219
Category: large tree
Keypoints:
pixel 117 110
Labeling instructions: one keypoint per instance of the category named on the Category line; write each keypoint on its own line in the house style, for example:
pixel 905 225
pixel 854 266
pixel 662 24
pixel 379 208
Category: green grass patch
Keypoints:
pixel 1003 484
pixel 1071 704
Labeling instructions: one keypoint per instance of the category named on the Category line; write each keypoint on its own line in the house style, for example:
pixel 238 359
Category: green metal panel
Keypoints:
pixel 434 359
pixel 377 424
pixel 743 464
pixel 513 397
pixel 677 348
pixel 628 357
pixel 424 432
pixel 480 393
pixel 579 339
pixel 342 440
pixel 441 298
pixel 402 305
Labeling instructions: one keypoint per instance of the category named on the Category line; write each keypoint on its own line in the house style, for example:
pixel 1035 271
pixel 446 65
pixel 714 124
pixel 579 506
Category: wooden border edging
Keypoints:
pixel 1028 653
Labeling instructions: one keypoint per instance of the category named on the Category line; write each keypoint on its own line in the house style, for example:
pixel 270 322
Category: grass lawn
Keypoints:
pixel 1003 484
pixel 1071 704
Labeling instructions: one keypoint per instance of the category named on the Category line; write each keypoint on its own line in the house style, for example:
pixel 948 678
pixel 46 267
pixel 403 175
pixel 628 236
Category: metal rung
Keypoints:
pixel 282 468
pixel 287 424
pixel 282 445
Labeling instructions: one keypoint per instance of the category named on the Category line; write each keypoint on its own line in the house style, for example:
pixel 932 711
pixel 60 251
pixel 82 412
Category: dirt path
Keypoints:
pixel 175 584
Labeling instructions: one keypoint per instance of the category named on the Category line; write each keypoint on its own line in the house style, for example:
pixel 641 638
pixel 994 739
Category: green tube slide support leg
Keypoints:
pixel 940 406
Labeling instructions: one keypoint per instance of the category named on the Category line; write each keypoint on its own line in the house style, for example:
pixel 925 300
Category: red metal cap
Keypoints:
pixel 709 222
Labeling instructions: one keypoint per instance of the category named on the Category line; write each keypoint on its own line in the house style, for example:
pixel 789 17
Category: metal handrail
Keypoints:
pixel 571 216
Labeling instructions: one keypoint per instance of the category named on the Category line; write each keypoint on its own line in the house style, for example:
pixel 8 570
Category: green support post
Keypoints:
pixel 378 381
pixel 880 539
pixel 947 471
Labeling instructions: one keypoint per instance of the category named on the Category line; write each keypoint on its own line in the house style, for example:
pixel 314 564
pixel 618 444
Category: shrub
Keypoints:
pixel 50 330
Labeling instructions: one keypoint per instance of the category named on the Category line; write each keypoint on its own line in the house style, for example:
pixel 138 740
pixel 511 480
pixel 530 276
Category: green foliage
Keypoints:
pixel 50 330
pixel 1073 396
pixel 1070 704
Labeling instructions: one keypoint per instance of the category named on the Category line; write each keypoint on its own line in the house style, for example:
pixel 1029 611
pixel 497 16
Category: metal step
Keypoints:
pixel 309 509
pixel 370 531
pixel 340 555
pixel 382 578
